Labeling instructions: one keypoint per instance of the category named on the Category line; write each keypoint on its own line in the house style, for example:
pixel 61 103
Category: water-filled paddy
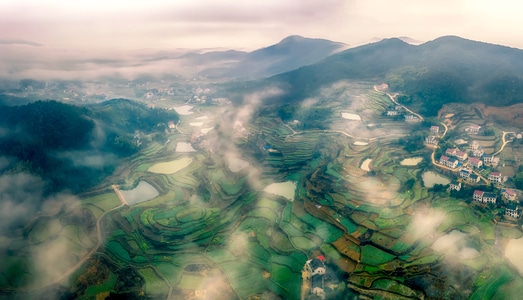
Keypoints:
pixel 350 116
pixel 236 164
pixel 170 167
pixel 206 130
pixel 183 110
pixel 430 179
pixel 285 189
pixel 413 161
pixel 184 147
pixel 513 253
pixel 365 165
pixel 142 192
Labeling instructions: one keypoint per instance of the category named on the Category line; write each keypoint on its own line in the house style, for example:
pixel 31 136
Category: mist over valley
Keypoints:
pixel 307 169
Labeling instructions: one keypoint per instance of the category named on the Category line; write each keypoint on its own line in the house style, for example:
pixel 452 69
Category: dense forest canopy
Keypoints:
pixel 44 137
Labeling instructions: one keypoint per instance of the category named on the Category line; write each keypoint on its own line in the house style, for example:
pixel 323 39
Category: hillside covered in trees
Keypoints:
pixel 74 147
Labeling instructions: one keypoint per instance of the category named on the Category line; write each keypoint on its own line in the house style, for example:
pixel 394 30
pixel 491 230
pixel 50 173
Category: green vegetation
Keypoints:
pixel 211 230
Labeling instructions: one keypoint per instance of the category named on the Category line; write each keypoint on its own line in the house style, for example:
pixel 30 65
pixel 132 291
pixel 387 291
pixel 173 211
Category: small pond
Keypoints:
pixel 184 147
pixel 170 167
pixel 431 178
pixel 285 189
pixel 365 165
pixel 206 130
pixel 350 116
pixel 142 192
pixel 183 110
pixel 413 161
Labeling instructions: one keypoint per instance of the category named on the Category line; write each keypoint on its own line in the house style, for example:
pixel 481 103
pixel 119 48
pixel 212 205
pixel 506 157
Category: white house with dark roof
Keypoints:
pixel 473 178
pixel 317 266
pixel 392 112
pixel 431 140
pixel 512 210
pixel 489 198
pixel 478 195
pixel 491 159
pixel 448 161
pixel 464 173
pixel 484 197
pixel 495 177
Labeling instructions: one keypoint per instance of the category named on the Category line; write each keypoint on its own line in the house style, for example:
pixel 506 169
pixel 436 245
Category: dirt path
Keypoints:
pixel 505 142
pixel 391 97
pixel 119 194
pixel 99 243
pixel 86 257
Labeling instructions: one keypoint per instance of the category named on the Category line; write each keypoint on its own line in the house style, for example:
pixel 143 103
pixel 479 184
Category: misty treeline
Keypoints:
pixel 72 147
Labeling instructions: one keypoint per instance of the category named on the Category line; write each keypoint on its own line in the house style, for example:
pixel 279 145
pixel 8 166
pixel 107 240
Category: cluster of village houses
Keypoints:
pixel 313 273
pixel 469 163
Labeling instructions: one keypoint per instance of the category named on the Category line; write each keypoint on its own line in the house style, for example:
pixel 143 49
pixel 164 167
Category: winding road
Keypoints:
pixel 99 243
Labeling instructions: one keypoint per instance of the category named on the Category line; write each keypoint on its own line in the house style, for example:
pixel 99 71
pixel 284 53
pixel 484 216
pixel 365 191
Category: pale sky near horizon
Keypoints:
pixel 110 25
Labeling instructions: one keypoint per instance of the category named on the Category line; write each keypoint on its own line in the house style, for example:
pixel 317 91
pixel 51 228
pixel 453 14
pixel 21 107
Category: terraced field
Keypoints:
pixel 212 231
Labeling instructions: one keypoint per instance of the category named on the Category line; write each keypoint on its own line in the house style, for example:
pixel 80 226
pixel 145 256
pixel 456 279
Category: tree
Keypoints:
pixel 409 184
pixel 518 180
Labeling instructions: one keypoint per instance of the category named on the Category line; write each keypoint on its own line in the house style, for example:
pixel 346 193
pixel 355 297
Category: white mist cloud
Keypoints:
pixel 20 197
pixel 90 158
pixel 425 223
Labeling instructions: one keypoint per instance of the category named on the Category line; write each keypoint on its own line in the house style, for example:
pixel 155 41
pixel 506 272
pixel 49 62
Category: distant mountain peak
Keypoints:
pixel 292 38
pixel 404 39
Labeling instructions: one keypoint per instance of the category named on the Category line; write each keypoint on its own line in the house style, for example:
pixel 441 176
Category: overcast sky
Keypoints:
pixel 166 24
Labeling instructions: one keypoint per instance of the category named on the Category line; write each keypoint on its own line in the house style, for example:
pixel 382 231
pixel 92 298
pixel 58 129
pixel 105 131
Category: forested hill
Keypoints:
pixel 73 147
pixel 448 69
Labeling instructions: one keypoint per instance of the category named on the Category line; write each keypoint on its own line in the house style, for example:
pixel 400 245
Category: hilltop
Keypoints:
pixel 447 69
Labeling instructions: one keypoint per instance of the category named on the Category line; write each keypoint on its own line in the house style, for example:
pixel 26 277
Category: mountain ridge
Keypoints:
pixel 447 69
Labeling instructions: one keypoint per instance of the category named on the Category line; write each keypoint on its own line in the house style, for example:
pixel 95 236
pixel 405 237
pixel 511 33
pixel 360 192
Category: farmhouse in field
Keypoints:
pixel 454 185
pixel 512 210
pixel 473 128
pixel 490 160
